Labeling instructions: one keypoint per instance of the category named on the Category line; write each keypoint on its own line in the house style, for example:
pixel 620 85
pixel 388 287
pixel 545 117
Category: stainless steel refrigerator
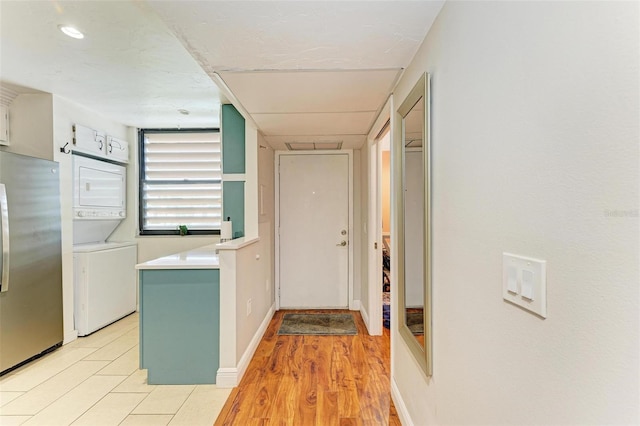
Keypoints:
pixel 31 268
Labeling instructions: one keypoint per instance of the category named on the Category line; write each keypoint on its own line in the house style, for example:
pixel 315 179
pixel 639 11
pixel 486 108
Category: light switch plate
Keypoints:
pixel 530 289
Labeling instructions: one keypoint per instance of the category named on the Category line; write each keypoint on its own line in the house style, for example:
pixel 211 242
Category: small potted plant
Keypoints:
pixel 183 230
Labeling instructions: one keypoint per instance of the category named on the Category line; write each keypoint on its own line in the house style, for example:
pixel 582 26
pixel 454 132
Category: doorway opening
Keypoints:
pixel 379 285
pixel 384 146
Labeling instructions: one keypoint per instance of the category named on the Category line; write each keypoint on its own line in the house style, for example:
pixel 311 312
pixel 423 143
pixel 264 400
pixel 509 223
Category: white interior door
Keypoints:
pixel 314 231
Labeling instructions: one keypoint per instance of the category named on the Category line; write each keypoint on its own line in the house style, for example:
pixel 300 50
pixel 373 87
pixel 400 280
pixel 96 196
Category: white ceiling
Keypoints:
pixel 129 66
pixel 304 71
pixel 294 35
pixel 324 104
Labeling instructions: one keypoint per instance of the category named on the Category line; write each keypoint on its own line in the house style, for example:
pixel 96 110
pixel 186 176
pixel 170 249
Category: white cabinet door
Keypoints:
pixel 98 144
pixel 89 141
pixel 117 149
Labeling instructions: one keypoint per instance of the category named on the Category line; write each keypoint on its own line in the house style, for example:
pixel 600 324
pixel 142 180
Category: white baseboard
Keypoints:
pixel 365 318
pixel 253 344
pixel 401 408
pixel 227 378
pixel 355 305
pixel 230 377
pixel 70 336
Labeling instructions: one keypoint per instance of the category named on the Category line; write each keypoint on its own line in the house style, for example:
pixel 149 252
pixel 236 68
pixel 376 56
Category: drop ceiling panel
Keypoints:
pixel 312 91
pixel 351 123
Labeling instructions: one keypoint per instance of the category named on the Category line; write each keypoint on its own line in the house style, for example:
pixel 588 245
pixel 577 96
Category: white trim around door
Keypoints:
pixel 373 251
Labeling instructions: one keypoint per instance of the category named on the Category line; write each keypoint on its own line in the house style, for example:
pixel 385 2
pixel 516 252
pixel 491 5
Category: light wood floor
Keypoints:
pixel 314 380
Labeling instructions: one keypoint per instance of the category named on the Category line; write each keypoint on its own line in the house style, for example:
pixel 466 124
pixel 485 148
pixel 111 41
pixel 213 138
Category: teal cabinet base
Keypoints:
pixel 180 325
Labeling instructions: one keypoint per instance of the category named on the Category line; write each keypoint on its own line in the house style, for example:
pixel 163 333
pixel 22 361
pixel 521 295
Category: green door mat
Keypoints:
pixel 318 324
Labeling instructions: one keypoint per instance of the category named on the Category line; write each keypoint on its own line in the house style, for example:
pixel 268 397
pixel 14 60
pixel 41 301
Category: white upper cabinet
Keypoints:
pixel 89 141
pixel 117 149
pixel 98 144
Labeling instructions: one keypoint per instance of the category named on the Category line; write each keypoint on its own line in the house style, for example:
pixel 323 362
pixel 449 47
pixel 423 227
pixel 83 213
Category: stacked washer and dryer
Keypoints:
pixel 104 272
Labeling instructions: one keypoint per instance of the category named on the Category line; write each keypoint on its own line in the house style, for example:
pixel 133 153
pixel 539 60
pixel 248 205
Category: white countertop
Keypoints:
pixel 200 258
pixel 237 243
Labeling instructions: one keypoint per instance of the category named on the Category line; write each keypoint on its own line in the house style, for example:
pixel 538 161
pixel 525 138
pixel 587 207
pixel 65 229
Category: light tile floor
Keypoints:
pixel 95 381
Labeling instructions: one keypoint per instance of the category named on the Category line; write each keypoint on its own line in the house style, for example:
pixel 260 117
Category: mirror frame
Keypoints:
pixel 424 357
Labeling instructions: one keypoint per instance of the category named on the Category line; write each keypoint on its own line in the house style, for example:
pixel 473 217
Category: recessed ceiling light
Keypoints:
pixel 183 111
pixel 71 32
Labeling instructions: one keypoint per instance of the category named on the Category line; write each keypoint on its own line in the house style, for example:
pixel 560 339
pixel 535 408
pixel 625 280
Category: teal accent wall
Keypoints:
pixel 233 206
pixel 233 140
pixel 180 325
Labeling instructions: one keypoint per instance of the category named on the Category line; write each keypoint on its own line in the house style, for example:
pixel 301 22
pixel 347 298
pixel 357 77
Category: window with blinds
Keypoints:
pixel 180 181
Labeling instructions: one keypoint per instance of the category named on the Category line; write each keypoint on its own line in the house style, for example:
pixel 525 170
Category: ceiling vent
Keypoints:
pixel 313 146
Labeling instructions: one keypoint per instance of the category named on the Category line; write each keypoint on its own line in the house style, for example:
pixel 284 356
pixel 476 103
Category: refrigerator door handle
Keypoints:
pixel 4 219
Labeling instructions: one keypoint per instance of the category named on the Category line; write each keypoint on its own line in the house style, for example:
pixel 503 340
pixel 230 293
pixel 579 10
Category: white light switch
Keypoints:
pixel 512 280
pixel 524 282
pixel 527 284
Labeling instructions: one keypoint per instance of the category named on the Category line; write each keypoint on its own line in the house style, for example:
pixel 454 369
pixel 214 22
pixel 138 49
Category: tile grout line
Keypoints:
pixel 105 375
pixel 181 405
pixel 126 329
pixel 40 384
pixel 112 361
pixel 25 368
pixel 121 333
pixel 141 401
pixel 60 372
pixel 95 403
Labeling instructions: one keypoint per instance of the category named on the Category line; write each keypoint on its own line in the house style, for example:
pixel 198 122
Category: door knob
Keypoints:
pixel 342 243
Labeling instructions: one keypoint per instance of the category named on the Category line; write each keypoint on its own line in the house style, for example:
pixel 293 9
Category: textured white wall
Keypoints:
pixel 535 144
pixel 30 126
pixel 251 185
pixel 248 273
pixel 266 206
pixel 253 267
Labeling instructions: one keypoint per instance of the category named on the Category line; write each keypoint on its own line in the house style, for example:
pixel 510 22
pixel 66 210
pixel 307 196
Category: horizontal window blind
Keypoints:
pixel 181 181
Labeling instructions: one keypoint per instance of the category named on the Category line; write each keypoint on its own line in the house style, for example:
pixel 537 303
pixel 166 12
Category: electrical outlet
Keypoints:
pixel 248 307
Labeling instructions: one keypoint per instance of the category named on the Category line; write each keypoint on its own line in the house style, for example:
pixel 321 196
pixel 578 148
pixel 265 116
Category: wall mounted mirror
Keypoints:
pixel 414 223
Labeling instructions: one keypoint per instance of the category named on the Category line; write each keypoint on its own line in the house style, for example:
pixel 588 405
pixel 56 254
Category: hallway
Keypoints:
pixel 315 380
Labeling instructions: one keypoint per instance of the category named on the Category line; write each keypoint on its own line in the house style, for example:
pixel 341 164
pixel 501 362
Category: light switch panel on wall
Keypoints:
pixel 512 279
pixel 524 282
